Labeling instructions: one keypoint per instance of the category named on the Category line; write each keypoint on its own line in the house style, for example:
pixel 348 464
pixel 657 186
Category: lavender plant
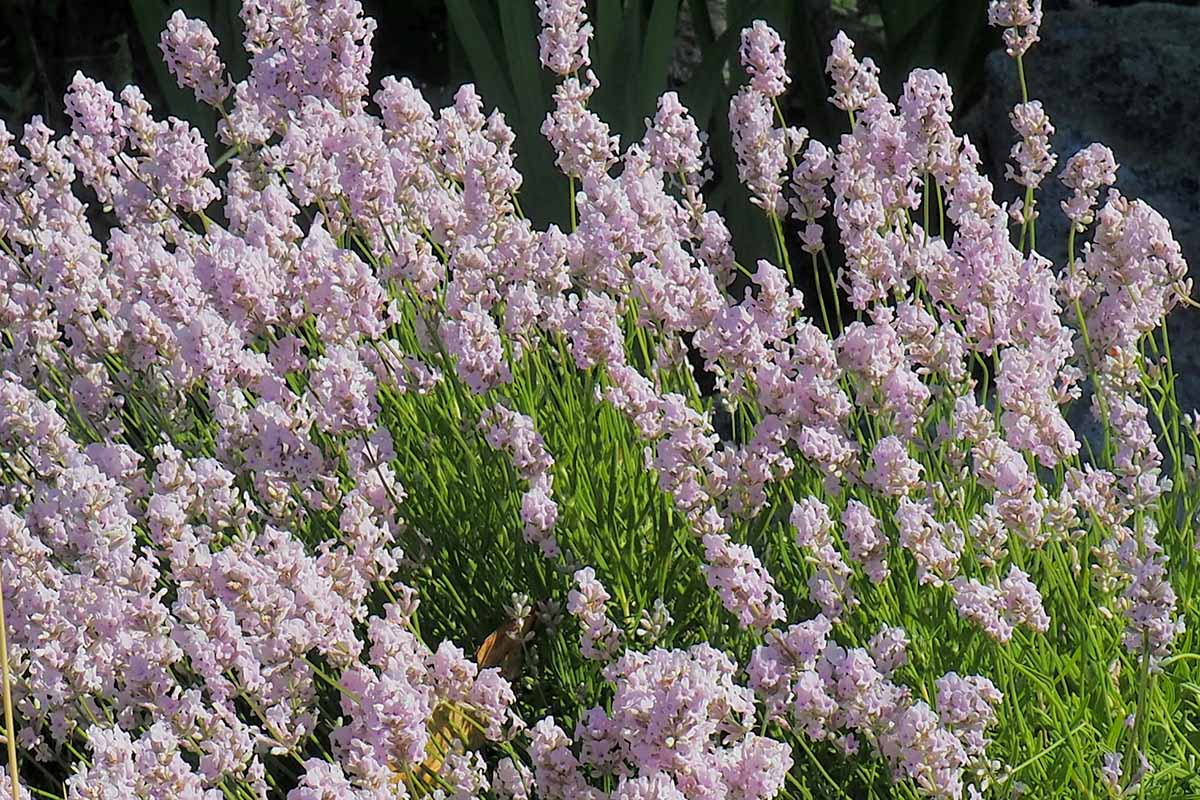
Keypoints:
pixel 286 437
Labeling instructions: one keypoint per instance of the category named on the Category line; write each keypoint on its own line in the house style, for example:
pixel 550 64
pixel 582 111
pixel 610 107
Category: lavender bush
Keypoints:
pixel 327 475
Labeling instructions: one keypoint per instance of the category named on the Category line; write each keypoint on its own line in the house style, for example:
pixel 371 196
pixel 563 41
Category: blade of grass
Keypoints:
pixel 607 25
pixel 486 65
pixel 520 47
pixel 10 730
pixel 702 23
pixel 535 158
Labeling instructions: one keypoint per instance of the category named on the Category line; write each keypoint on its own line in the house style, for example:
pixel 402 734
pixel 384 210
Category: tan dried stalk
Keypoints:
pixel 10 733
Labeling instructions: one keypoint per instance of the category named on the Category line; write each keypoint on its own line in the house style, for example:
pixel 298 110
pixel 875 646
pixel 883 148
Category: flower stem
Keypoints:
pixel 10 731
pixel 1021 79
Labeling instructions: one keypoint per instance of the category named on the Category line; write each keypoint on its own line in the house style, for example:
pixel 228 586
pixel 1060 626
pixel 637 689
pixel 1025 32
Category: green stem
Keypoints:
pixel 1021 79
pixel 10 730
pixel 574 219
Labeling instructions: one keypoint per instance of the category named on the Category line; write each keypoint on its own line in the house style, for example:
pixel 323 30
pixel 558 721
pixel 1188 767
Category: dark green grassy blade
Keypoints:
pixel 949 35
pixel 657 50
pixel 607 27
pixel 467 19
pixel 519 27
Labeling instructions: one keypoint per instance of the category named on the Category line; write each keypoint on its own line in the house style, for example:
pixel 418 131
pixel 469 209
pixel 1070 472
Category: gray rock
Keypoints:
pixel 1124 77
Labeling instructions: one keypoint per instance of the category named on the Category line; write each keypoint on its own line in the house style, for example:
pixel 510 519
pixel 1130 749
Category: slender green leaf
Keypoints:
pixel 702 23
pixel 657 50
pixel 628 88
pixel 608 28
pixel 489 71
pixel 535 158
pixel 706 91
pixel 520 45
pixel 949 35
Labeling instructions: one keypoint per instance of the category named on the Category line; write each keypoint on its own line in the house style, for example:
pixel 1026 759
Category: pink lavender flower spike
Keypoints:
pixel 762 55
pixel 739 578
pixel 673 141
pixel 305 450
pixel 563 42
pixel 1031 155
pixel 854 82
pixel 1085 174
pixel 893 472
pixel 599 638
pixel 191 55
pixel 1020 20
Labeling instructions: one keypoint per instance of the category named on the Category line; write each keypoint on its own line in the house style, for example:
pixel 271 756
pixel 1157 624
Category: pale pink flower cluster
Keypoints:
pixel 1131 277
pixel 299 52
pixel 473 338
pixel 1152 617
pixel 1032 385
pixel 866 540
pixel 1001 468
pixel 889 648
pixel 388 702
pixel 595 332
pixel 763 149
pixel 926 107
pixel 563 42
pixel 936 546
pixel 745 587
pixel 854 82
pixel 829 585
pixel 244 615
pixel 829 692
pixel 599 638
pixel 266 317
pixel 999 609
pixel 191 54
pixel 1085 174
pixel 514 433
pixel 762 54
pixel 584 146
pixel 673 142
pixel 1020 20
pixel 887 381
pixel 151 766
pixel 893 471
pixel 810 177
pixel 679 726
pixel 1032 155
pixel 344 389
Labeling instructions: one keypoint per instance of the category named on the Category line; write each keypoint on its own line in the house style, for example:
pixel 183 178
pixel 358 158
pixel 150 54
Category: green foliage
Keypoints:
pixel 948 35
pixel 635 42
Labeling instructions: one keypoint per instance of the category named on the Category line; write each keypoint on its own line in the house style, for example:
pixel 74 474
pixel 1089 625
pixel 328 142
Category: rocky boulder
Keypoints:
pixel 1126 77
